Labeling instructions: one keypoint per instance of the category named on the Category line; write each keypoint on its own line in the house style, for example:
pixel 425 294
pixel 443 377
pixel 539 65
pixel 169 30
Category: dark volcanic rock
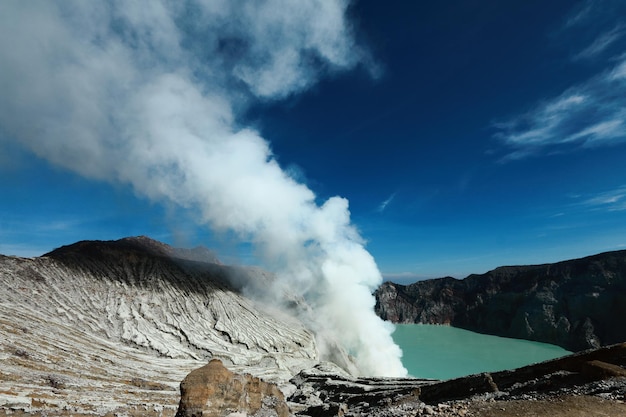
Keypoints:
pixel 599 372
pixel 575 304
pixel 324 392
pixel 433 301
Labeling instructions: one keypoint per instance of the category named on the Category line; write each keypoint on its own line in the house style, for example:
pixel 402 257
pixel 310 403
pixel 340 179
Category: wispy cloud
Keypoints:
pixel 612 200
pixel 579 14
pixel 601 43
pixel 592 113
pixel 593 14
pixel 382 206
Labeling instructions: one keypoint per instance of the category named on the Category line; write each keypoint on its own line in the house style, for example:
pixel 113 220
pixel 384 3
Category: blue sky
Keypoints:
pixel 465 135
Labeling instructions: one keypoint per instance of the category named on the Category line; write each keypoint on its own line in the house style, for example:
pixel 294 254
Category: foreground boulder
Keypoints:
pixel 215 391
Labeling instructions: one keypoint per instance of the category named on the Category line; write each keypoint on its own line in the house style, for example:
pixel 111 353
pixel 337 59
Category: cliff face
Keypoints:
pixel 576 304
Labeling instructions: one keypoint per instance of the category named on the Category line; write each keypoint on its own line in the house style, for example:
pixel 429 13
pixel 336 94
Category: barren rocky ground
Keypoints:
pixel 562 406
pixel 102 327
pixel 112 328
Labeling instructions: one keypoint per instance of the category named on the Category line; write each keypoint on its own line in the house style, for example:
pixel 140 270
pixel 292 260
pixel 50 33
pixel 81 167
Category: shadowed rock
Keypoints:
pixel 575 304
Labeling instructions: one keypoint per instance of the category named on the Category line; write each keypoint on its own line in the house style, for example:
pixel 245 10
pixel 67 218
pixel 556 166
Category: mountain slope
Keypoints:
pixel 576 304
pixel 111 328
pixel 125 322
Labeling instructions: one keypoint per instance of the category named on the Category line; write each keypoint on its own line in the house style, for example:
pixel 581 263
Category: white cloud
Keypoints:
pixel 612 200
pixel 149 94
pixel 580 14
pixel 619 72
pixel 279 47
pixel 602 131
pixel 601 43
pixel 592 113
pixel 594 14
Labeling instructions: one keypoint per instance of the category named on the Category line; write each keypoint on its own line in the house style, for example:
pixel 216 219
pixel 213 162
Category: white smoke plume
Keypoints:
pixel 148 94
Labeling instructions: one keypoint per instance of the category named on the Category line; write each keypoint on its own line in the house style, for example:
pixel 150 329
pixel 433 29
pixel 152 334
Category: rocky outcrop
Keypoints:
pixel 575 304
pixel 430 302
pixel 111 328
pixel 214 391
pixel 597 372
pixel 327 391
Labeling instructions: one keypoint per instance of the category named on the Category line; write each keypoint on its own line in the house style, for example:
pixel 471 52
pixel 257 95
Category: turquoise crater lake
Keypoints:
pixel 444 352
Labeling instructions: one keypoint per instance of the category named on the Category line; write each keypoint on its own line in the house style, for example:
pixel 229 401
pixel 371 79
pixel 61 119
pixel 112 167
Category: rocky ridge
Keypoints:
pixel 593 382
pixel 112 328
pixel 99 326
pixel 575 304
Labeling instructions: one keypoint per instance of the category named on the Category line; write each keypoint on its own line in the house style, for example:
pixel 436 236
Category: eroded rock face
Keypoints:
pixel 214 391
pixel 574 304
pixel 432 301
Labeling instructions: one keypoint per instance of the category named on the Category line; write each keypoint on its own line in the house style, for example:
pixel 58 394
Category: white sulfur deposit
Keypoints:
pixel 110 335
